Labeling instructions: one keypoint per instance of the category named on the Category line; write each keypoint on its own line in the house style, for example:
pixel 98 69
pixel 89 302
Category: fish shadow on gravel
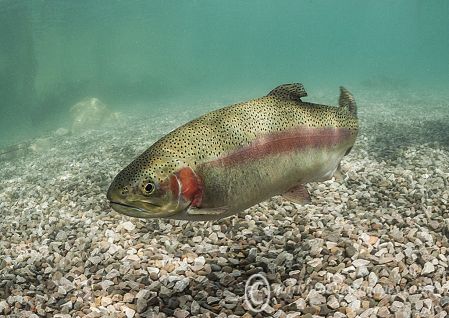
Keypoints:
pixel 392 138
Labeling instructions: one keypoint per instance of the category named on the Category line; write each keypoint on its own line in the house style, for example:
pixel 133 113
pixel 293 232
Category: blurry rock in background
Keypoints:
pixel 90 113
pixel 40 145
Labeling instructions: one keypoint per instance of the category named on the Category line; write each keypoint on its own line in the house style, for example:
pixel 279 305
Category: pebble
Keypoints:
pixel 383 312
pixel 198 264
pixel 180 285
pixel 428 268
pixel 180 313
pixel 129 313
pixel 332 302
pixel 106 301
pixel 350 250
pixel 361 271
pixel 129 226
pixel 316 298
pixel 360 262
pixel 141 304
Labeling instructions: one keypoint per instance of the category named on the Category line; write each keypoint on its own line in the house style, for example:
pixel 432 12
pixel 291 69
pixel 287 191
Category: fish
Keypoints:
pixel 233 158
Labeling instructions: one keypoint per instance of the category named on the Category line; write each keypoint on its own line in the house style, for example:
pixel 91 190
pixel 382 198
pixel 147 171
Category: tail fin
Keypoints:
pixel 347 101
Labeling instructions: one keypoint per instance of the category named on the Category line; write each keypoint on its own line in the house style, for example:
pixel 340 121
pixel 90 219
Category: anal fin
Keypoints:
pixel 298 194
pixel 206 211
pixel 338 175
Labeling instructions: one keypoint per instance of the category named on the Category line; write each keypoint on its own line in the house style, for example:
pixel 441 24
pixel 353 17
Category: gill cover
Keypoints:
pixel 187 186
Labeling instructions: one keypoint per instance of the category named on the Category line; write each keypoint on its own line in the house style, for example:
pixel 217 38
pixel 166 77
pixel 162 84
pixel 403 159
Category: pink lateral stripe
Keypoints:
pixel 281 142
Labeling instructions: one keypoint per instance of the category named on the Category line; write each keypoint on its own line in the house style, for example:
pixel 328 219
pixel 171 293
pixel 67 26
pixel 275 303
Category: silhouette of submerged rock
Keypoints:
pixel 90 113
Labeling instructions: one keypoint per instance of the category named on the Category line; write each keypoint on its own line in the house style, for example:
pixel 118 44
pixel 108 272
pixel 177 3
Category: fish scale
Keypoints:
pixel 230 150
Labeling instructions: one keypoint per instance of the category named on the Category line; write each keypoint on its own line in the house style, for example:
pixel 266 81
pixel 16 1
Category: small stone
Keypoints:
pixel 316 298
pixel 180 285
pixel 78 303
pixel 350 250
pixel 330 245
pixel 141 305
pixel 428 268
pixel 106 301
pixel 128 298
pixel 443 302
pixel 129 312
pixel 300 304
pixel 252 254
pixel 282 257
pixel 332 302
pixel 348 269
pixel 105 284
pixel 372 279
pixel 315 262
pixel 154 272
pixel 383 312
pixel 350 298
pixel 396 306
pixel 195 307
pixel 180 313
pixel 169 267
pixel 428 303
pixel 198 264
pixel 66 307
pixel 350 313
pixel 357 283
pixel 419 304
pixel 129 226
pixel 378 292
pixel 361 271
pixel 95 260
pixel 20 279
pixel 165 291
pixel 212 300
pixel 355 304
pixel 360 262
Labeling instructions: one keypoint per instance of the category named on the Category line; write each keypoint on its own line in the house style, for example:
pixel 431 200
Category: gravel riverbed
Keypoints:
pixel 372 245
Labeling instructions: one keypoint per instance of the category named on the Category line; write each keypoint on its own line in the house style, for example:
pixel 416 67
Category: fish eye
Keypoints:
pixel 149 188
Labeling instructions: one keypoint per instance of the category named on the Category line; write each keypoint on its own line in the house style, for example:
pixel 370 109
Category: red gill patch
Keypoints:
pixel 191 185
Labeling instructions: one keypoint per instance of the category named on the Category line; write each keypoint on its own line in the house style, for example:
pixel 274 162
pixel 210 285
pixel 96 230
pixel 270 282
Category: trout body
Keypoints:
pixel 233 158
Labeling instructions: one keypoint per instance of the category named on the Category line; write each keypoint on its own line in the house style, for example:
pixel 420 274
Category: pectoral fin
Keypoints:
pixel 298 194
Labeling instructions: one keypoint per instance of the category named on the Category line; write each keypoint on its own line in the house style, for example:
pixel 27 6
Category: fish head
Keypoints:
pixel 144 193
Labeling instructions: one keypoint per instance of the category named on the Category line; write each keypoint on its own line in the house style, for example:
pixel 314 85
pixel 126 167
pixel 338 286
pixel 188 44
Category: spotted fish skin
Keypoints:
pixel 245 153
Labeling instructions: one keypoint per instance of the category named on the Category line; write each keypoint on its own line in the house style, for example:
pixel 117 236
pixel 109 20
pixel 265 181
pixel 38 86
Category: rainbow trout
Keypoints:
pixel 235 157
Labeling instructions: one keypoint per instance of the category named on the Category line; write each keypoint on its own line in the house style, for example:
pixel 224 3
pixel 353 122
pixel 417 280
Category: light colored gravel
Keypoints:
pixel 374 245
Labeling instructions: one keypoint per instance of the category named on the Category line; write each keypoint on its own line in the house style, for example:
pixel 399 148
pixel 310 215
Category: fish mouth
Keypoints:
pixel 140 212
pixel 130 206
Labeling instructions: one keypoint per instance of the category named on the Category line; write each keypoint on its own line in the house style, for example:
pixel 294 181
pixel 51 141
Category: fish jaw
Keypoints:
pixel 142 213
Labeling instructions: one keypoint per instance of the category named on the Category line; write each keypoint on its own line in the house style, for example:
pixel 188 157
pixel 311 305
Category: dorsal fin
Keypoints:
pixel 292 91
pixel 347 101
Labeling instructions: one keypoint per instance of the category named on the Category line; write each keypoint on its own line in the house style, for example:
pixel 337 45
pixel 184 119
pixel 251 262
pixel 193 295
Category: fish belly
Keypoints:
pixel 243 185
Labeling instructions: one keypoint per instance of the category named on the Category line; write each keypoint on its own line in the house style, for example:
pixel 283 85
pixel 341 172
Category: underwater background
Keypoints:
pixel 86 86
pixel 147 55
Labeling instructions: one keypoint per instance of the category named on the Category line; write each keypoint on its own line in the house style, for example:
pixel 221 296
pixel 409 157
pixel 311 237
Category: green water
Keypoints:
pixel 146 55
